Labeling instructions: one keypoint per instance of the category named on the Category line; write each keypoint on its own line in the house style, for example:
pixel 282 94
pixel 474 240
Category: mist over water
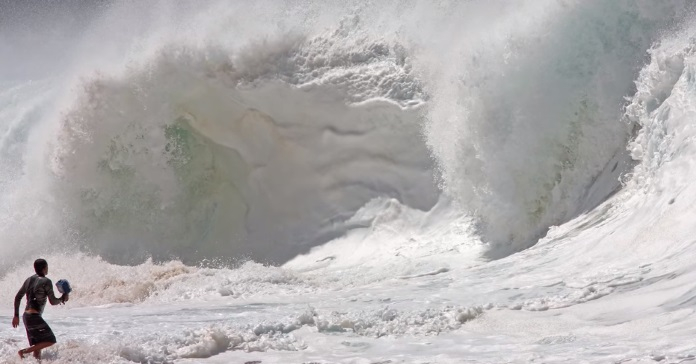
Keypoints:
pixel 191 133
pixel 347 181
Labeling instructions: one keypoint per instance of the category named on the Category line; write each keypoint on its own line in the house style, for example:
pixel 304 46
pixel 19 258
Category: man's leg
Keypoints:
pixel 36 349
pixel 39 334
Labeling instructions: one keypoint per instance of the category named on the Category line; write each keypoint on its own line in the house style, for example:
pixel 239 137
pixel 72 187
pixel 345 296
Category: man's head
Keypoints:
pixel 41 267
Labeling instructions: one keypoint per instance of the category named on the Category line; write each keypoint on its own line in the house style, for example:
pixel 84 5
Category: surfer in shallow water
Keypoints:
pixel 38 289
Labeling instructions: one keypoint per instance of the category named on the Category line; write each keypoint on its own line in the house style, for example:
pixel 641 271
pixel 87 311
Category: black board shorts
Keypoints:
pixel 38 330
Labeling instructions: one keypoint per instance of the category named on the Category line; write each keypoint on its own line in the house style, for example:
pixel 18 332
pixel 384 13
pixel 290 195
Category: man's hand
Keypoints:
pixel 15 322
pixel 64 297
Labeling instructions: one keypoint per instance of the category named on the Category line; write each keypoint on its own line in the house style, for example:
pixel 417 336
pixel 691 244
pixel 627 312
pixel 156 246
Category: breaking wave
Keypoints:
pixel 210 142
pixel 531 133
pixel 202 153
pixel 321 148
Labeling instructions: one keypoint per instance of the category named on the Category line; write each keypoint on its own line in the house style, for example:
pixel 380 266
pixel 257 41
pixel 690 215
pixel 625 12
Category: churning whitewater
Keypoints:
pixel 352 182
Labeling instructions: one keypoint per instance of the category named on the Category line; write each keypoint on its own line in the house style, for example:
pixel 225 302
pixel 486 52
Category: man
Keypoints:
pixel 38 288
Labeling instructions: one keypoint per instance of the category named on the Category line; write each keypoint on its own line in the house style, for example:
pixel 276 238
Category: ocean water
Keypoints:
pixel 352 181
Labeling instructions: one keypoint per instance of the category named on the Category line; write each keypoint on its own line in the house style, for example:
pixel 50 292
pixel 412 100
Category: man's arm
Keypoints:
pixel 18 298
pixel 51 295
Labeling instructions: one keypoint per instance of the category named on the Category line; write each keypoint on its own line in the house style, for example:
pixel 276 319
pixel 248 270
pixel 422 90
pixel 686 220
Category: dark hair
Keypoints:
pixel 40 265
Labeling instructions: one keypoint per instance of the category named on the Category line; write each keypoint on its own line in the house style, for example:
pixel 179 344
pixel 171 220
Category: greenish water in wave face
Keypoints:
pixel 204 214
